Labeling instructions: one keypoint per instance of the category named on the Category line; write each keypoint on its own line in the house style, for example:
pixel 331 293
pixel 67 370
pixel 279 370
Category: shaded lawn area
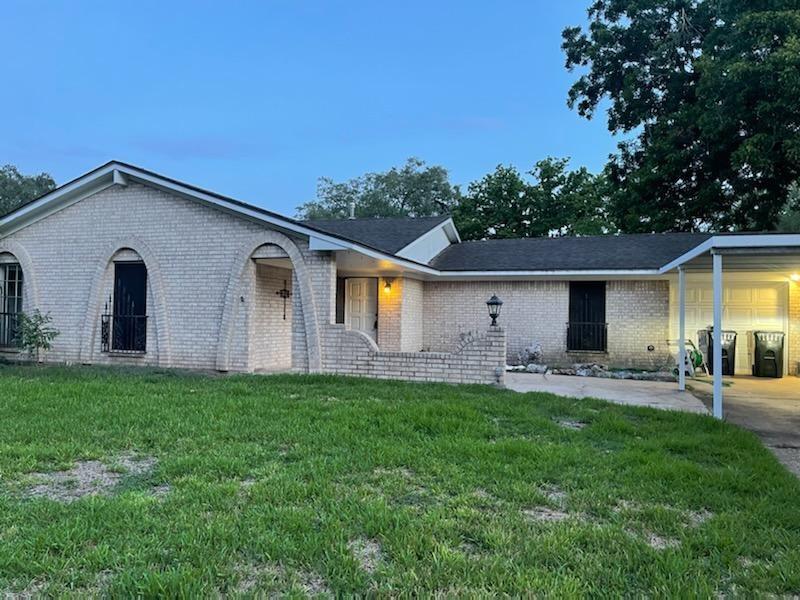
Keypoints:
pixel 246 485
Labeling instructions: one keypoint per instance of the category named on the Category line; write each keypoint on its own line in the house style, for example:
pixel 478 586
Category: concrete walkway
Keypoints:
pixel 655 394
pixel 770 408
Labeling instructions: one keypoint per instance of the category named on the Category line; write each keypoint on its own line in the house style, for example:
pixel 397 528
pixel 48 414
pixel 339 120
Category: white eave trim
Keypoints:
pixel 448 227
pixel 770 240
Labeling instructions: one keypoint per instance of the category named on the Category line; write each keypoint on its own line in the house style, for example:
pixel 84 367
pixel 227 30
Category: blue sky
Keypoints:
pixel 256 100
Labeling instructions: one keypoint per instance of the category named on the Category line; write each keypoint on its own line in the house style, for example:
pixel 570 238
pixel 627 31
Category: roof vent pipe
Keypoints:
pixel 352 209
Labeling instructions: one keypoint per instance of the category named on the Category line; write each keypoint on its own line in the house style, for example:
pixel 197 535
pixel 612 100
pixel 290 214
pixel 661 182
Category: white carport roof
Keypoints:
pixel 740 252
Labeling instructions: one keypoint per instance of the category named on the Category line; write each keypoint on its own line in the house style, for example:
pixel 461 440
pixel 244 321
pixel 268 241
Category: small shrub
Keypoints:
pixel 35 333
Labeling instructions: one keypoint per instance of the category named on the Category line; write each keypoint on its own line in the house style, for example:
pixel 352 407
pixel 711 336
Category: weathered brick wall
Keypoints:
pixel 478 358
pixel 538 311
pixel 794 326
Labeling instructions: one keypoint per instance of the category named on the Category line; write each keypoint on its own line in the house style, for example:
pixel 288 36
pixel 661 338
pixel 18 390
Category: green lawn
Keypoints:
pixel 247 485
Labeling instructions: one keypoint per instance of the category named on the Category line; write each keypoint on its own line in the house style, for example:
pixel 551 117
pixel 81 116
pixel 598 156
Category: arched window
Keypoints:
pixel 10 303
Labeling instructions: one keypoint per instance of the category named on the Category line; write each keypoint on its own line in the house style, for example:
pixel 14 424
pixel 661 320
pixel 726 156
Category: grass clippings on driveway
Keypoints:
pixel 316 485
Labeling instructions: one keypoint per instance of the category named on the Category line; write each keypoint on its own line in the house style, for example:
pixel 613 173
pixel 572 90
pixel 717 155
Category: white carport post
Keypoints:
pixel 717 336
pixel 681 328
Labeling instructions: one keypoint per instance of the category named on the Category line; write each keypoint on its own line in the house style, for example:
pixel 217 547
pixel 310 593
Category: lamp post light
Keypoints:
pixel 494 303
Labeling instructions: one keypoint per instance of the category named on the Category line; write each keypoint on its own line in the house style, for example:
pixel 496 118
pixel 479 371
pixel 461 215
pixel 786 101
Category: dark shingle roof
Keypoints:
pixel 389 234
pixel 602 252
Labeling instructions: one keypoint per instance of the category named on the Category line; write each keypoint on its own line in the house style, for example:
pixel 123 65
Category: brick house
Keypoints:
pixel 137 268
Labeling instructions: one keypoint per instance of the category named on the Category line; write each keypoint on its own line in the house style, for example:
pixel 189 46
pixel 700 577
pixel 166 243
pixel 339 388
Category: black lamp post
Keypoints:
pixel 494 303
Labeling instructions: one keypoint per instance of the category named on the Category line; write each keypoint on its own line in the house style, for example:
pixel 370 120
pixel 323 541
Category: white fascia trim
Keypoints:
pixel 545 274
pixel 452 231
pixel 735 241
pixel 449 228
pixel 59 194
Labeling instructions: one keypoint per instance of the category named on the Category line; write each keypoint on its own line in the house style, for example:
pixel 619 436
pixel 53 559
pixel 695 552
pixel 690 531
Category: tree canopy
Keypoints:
pixel 549 200
pixel 414 190
pixel 553 201
pixel 708 89
pixel 16 189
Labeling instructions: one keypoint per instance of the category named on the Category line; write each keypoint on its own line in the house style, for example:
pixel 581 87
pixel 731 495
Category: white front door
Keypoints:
pixel 361 304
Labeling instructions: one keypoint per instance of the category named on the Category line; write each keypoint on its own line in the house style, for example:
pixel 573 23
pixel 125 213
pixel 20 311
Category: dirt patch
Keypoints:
pixel 554 494
pixel 251 574
pixel 397 472
pixel 569 424
pixel 698 517
pixel 367 553
pixel 89 478
pixel 312 584
pixel 543 514
pixel 35 589
pixel 660 543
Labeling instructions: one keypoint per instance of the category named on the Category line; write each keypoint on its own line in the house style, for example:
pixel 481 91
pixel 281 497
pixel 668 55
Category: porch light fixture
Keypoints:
pixel 494 303
pixel 795 277
pixel 387 286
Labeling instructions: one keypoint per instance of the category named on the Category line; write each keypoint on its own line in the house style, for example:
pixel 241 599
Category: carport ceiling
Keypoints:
pixel 776 260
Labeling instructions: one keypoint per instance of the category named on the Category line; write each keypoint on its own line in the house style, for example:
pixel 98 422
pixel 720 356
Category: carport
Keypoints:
pixel 753 281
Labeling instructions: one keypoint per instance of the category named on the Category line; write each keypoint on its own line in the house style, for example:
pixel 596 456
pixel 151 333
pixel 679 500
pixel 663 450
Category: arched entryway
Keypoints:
pixel 18 290
pixel 126 312
pixel 267 275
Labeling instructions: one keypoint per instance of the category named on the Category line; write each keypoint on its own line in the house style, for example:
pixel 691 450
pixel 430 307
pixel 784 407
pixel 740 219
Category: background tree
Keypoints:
pixel 554 201
pixel 16 189
pixel 414 190
pixel 709 88
pixel 790 217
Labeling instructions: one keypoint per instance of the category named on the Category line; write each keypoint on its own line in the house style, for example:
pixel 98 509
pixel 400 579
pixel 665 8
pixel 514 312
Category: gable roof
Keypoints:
pixel 388 239
pixel 591 253
pixel 388 234
pixel 117 172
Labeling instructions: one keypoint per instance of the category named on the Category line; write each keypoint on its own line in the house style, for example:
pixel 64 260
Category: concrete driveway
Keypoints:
pixel 770 408
pixel 655 394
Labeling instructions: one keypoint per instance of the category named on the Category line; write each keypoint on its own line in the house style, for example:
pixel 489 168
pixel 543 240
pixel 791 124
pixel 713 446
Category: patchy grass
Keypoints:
pixel 323 485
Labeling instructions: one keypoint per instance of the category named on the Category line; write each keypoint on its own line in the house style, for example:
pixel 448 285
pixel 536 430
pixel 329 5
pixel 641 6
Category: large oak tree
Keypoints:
pixel 709 92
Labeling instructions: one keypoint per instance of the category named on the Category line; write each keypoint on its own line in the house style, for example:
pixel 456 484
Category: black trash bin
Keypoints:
pixel 728 344
pixel 768 354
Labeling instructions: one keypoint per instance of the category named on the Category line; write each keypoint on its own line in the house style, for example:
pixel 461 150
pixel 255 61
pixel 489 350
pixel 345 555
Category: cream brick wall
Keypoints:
pixel 479 358
pixel 400 315
pixel 270 333
pixel 411 321
pixel 794 328
pixel 390 314
pixel 195 247
pixel 537 311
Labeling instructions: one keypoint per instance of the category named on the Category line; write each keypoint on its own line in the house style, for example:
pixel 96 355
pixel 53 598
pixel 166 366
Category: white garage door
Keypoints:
pixel 746 308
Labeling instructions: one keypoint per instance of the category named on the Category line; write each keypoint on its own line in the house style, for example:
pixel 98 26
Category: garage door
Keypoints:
pixel 746 308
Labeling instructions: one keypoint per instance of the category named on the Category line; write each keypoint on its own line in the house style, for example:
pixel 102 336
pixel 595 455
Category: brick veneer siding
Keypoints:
pixel 400 326
pixel 794 328
pixel 67 263
pixel 637 313
pixel 390 314
pixel 271 334
pixel 478 358
pixel 411 320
